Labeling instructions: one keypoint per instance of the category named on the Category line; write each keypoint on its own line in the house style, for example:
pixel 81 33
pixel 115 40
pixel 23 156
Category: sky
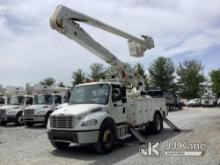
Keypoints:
pixel 31 51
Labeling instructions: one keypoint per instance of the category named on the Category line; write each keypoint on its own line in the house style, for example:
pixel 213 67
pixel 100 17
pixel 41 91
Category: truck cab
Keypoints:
pixel 13 111
pixel 44 105
pixel 99 113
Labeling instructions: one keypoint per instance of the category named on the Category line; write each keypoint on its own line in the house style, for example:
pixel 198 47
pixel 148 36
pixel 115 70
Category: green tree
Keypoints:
pixel 61 84
pixel 139 69
pixel 97 71
pixel 161 72
pixel 189 77
pixel 48 81
pixel 215 78
pixel 78 77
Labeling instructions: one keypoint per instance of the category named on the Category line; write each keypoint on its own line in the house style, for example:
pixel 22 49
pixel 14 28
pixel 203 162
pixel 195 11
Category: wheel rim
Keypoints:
pixel 108 138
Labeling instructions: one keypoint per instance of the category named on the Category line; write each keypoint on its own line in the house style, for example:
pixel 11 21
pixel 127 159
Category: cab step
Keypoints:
pixel 124 137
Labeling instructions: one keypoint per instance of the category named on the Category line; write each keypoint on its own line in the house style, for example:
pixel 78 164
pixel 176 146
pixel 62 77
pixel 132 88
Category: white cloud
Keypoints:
pixel 31 50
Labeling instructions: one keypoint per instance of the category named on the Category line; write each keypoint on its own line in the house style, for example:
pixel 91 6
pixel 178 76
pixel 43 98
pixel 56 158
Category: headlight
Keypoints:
pixel 12 112
pixel 89 123
pixel 41 112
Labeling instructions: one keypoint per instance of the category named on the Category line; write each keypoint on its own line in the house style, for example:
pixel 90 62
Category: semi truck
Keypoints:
pixel 46 100
pixel 103 112
pixel 12 112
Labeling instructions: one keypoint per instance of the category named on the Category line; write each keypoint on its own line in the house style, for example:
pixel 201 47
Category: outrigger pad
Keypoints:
pixel 136 133
pixel 171 125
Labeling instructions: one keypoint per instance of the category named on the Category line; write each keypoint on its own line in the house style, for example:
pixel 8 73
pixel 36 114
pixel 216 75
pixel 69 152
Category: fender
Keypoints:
pixel 98 116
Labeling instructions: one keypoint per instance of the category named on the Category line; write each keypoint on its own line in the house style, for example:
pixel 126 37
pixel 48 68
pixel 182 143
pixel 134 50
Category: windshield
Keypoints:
pixel 16 100
pixel 90 94
pixel 44 99
pixel 2 100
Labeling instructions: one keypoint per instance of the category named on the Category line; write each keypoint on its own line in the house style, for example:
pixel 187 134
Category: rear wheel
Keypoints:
pixel 19 119
pixel 60 145
pixel 106 138
pixel 157 125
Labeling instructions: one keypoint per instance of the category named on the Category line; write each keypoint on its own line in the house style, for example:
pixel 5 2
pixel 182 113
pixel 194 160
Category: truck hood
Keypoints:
pixel 39 106
pixel 77 109
pixel 11 107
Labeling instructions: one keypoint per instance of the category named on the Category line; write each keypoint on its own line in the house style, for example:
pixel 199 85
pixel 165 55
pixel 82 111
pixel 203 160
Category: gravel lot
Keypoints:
pixel 21 145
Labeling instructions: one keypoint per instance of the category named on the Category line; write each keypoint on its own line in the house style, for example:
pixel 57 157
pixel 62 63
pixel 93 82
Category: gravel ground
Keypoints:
pixel 21 145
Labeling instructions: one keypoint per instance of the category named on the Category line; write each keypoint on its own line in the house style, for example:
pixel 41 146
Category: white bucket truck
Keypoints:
pixel 46 100
pixel 12 112
pixel 103 112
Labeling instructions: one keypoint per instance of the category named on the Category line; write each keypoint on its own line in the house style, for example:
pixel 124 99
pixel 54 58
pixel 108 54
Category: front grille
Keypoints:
pixel 62 121
pixel 28 112
pixel 2 112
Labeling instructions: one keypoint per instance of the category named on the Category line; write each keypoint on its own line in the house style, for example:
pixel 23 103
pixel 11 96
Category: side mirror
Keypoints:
pixel 124 100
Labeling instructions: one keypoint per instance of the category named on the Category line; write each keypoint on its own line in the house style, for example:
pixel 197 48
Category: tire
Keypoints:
pixel 60 145
pixel 29 124
pixel 3 123
pixel 157 125
pixel 46 118
pixel 107 136
pixel 19 120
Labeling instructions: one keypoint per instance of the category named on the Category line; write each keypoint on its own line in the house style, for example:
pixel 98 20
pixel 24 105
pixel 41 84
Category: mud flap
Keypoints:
pixel 171 125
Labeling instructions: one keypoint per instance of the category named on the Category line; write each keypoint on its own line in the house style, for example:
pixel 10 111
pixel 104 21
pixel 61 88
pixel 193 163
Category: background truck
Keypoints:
pixel 17 102
pixel 103 112
pixel 45 101
pixel 209 98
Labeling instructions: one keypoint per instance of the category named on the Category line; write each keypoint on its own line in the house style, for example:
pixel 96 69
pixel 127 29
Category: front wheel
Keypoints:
pixel 19 119
pixel 106 138
pixel 60 145
pixel 3 123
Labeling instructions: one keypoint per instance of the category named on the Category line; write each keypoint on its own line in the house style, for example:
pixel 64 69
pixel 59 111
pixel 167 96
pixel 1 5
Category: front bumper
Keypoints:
pixel 34 119
pixel 79 137
pixel 9 118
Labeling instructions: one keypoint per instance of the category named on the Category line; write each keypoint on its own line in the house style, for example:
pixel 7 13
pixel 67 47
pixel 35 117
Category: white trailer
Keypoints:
pixel 47 98
pixel 103 112
pixel 12 112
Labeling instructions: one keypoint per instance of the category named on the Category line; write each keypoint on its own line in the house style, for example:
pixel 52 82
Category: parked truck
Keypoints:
pixel 209 99
pixel 12 112
pixel 110 110
pixel 45 102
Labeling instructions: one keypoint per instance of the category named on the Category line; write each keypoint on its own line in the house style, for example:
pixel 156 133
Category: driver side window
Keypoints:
pixel 116 93
pixel 58 100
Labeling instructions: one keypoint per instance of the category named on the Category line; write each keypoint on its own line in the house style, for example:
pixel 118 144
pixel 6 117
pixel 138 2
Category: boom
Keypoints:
pixel 65 21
